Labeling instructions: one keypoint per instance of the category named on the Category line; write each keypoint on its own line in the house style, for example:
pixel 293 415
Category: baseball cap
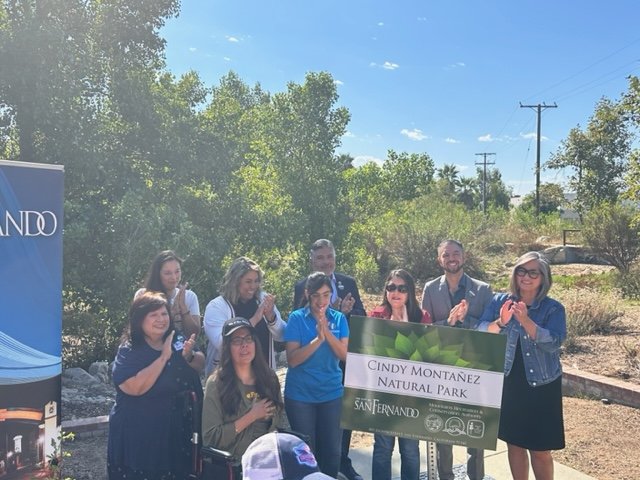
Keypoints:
pixel 234 324
pixel 280 456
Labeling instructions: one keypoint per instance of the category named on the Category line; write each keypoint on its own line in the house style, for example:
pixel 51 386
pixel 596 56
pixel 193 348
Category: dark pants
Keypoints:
pixel 475 463
pixel 321 423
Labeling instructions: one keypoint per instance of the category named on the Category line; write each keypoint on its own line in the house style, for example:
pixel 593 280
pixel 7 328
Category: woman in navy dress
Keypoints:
pixel 146 439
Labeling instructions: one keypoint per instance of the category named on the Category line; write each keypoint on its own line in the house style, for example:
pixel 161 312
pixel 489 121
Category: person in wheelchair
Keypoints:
pixel 242 399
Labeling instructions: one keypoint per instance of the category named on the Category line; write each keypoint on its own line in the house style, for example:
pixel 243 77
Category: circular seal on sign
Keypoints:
pixel 433 423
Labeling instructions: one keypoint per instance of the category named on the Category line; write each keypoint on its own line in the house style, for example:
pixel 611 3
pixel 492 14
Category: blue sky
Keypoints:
pixel 438 77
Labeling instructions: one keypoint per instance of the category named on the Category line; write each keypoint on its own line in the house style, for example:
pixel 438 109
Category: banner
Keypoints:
pixel 424 382
pixel 31 221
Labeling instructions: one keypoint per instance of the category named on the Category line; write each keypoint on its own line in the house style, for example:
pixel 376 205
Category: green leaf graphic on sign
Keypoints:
pixel 404 344
pixel 415 356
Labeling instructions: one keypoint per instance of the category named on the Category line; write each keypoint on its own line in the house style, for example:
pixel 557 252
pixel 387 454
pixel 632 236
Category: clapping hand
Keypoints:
pixel 458 312
pixel 506 311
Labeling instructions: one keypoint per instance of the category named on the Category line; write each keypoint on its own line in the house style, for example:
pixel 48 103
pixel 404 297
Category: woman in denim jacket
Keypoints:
pixel 535 326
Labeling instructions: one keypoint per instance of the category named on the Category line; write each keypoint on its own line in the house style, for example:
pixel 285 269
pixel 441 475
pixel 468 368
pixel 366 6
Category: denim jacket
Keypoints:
pixel 541 355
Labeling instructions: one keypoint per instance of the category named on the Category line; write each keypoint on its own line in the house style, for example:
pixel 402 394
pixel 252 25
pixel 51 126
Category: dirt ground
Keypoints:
pixel 602 439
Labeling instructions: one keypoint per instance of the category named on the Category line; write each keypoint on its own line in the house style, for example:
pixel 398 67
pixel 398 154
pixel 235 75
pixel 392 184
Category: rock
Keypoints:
pixel 79 376
pixel 101 371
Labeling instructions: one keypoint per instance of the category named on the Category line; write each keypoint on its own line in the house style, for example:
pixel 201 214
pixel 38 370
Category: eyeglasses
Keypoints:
pixel 521 272
pixel 392 287
pixel 239 341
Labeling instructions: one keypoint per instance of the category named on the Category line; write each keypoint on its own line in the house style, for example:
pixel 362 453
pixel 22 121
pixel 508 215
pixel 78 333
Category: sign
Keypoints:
pixel 425 382
pixel 31 221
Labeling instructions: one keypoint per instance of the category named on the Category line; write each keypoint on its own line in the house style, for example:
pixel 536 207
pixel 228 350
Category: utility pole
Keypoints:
pixel 484 163
pixel 539 108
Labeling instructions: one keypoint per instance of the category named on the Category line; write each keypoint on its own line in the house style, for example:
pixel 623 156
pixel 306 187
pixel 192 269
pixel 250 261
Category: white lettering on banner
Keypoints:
pixel 424 380
pixel 28 223
pixel 376 407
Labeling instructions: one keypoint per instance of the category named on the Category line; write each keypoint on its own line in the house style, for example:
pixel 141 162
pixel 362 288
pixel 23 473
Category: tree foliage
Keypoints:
pixel 610 230
pixel 597 155
pixel 551 199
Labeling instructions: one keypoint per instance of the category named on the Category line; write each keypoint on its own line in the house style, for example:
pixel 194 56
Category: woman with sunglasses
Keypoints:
pixel 531 420
pixel 316 340
pixel 242 399
pixel 398 303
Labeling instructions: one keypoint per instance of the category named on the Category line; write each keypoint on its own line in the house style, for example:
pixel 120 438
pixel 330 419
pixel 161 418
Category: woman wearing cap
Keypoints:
pixel 242 398
pixel 398 303
pixel 531 421
pixel 150 371
pixel 241 295
pixel 316 338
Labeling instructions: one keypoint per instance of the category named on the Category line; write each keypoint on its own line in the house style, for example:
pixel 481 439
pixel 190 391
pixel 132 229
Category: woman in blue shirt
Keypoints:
pixel 535 325
pixel 316 339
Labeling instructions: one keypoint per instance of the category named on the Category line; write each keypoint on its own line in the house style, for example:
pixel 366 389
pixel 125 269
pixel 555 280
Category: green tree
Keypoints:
pixel 407 175
pixel 448 181
pixel 551 199
pixel 302 129
pixel 498 195
pixel 597 155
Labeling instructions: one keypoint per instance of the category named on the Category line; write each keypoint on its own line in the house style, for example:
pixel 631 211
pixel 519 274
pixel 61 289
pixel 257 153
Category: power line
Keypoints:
pixel 539 108
pixel 484 179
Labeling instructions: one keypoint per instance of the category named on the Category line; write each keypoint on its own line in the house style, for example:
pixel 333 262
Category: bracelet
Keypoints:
pixel 500 324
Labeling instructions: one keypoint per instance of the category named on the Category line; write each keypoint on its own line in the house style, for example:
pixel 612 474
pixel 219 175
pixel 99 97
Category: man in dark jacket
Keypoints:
pixel 346 298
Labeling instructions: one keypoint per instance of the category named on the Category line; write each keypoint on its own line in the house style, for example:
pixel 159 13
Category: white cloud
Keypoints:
pixel 349 134
pixel 232 39
pixel 226 59
pixel 338 82
pixel 386 65
pixel 422 19
pixel 360 160
pixel 451 66
pixel 486 138
pixel 193 49
pixel 415 134
pixel 532 135
pixel 451 140
pixel 381 24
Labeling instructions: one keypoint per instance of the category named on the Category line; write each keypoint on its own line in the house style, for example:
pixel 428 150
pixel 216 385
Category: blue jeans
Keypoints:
pixel 321 422
pixel 409 458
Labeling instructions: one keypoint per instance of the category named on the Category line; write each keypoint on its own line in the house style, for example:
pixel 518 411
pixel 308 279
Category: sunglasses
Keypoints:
pixel 392 287
pixel 521 272
pixel 239 341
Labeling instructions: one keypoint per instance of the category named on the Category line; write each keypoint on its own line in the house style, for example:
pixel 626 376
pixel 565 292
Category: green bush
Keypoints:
pixel 589 312
pixel 629 284
pixel 610 231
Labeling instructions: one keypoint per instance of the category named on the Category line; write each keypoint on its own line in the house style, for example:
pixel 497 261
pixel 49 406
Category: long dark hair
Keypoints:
pixel 267 384
pixel 414 312
pixel 315 282
pixel 141 306
pixel 153 281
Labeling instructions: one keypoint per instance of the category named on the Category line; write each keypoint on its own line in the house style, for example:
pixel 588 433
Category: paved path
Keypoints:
pixel 496 464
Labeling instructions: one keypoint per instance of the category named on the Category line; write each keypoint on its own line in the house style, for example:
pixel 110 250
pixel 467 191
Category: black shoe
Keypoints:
pixel 350 474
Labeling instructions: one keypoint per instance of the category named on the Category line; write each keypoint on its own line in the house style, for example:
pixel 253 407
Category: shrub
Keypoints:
pixel 589 312
pixel 610 231
pixel 629 284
